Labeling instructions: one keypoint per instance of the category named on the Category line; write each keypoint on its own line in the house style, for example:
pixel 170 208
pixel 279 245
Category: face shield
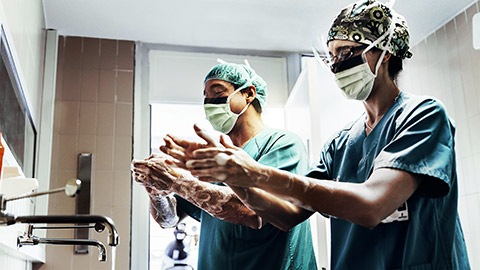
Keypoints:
pixel 343 59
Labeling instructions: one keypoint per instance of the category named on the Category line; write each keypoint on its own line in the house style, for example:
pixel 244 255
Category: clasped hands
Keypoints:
pixel 210 161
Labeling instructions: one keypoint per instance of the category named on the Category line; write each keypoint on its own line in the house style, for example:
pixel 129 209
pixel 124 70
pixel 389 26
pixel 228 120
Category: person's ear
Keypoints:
pixel 251 93
pixel 386 57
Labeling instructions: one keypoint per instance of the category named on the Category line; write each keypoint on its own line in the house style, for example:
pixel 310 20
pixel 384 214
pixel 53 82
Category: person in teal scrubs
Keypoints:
pixel 388 180
pixel 225 245
pixel 248 229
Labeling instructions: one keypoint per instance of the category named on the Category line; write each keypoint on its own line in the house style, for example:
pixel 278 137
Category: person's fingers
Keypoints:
pixel 179 141
pixel 201 163
pixel 140 178
pixel 139 169
pixel 204 135
pixel 227 142
pixel 159 180
pixel 167 141
pixel 164 149
pixel 175 163
pixel 207 152
pixel 153 156
pixel 137 162
pixel 135 176
pixel 157 166
pixel 171 144
pixel 174 153
pixel 219 173
pixel 209 179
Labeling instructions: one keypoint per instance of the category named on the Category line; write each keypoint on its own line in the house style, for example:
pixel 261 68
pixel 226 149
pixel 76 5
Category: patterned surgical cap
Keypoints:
pixel 367 20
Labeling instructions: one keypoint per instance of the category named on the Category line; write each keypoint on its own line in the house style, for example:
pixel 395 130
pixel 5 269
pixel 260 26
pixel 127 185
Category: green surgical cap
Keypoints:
pixel 240 75
pixel 367 20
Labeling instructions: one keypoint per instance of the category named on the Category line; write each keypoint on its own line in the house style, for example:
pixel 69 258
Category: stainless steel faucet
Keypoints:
pixel 33 240
pixel 72 187
pixel 74 219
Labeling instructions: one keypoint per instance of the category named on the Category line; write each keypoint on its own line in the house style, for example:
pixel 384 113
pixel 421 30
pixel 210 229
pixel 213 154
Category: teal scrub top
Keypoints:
pixel 416 136
pixel 226 246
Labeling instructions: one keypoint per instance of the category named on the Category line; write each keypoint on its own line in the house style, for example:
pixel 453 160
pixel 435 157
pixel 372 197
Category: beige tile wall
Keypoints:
pixel 93 113
pixel 446 66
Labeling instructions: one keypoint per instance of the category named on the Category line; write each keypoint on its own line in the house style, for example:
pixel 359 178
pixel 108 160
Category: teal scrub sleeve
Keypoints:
pixel 286 153
pixel 323 170
pixel 189 208
pixel 424 145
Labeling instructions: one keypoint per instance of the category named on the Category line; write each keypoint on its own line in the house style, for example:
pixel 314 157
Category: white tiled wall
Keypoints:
pixel 24 22
pixel 446 66
pixel 8 262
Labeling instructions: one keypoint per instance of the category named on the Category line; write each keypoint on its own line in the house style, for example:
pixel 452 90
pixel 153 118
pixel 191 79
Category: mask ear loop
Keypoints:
pixel 247 84
pixel 234 92
pixel 388 34
pixel 250 81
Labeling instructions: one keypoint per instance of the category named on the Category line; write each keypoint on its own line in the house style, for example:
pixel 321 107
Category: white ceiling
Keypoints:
pixel 269 25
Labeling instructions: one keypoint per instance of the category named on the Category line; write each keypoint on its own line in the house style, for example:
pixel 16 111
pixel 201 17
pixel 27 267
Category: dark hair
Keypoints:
pixel 255 102
pixel 395 65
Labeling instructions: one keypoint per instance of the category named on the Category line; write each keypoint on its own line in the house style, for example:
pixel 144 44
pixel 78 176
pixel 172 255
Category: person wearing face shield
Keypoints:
pixel 388 180
pixel 241 228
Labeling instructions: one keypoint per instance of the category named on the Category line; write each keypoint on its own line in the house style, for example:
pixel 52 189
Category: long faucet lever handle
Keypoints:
pixel 71 188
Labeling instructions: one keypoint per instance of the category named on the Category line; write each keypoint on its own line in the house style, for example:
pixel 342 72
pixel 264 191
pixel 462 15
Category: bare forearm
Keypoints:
pixel 280 213
pixel 364 203
pixel 219 201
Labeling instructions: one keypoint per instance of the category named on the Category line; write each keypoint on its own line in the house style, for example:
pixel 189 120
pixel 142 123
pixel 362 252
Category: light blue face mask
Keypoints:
pixel 219 114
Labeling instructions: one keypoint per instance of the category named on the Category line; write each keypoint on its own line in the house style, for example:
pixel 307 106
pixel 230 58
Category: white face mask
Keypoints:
pixel 357 82
pixel 219 114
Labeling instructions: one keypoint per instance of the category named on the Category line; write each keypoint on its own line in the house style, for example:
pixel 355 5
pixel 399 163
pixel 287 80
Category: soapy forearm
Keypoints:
pixel 164 210
pixel 219 201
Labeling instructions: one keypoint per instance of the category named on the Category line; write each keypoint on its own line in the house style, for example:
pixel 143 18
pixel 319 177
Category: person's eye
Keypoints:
pixel 345 52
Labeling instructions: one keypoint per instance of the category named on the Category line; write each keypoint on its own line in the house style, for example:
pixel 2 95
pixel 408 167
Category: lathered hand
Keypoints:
pixel 155 174
pixel 228 164
pixel 182 150
pixel 161 178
